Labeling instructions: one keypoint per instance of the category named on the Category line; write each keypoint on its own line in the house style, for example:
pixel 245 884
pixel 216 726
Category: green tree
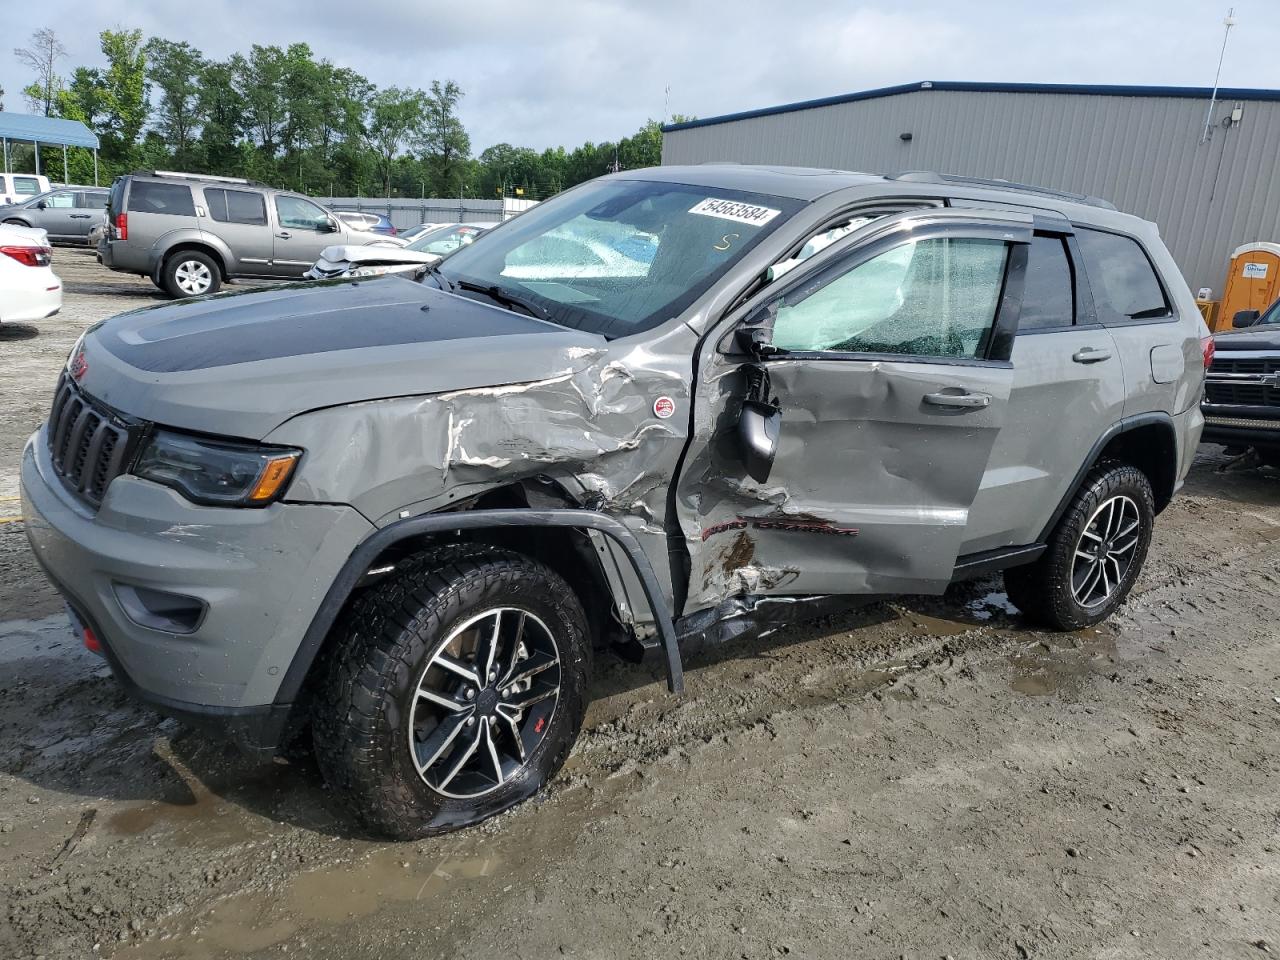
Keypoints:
pixel 444 141
pixel 124 92
pixel 176 71
pixel 223 110
pixel 42 59
pixel 395 121
pixel 259 79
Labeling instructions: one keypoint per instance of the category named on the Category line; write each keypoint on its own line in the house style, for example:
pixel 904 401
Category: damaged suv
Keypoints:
pixel 667 406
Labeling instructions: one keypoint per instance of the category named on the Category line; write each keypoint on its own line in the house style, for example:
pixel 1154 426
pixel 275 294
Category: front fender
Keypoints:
pixel 416 527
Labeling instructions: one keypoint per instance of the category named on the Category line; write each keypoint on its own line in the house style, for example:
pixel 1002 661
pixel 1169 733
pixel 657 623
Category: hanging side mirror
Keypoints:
pixel 759 425
pixel 1244 318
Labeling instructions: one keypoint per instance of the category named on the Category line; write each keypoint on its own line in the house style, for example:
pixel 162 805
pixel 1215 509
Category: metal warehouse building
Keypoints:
pixel 1142 148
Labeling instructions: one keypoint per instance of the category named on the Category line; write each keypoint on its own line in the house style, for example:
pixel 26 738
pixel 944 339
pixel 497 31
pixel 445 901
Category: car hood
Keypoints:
pixel 347 253
pixel 240 364
pixel 1257 338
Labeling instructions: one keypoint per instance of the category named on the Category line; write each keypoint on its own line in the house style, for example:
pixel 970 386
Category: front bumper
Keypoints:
pixel 261 575
pixel 1248 427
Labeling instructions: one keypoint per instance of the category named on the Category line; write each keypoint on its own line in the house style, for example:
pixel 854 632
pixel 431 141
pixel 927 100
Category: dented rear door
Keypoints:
pixel 892 372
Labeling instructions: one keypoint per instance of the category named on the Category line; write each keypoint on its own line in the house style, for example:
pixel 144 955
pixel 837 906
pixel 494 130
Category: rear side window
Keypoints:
pixel 1047 297
pixel 26 186
pixel 1124 283
pixel 147 196
pixel 236 206
pixel 94 200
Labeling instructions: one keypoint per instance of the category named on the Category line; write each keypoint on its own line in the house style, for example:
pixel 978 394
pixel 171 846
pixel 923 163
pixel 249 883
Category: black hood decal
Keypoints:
pixel 245 326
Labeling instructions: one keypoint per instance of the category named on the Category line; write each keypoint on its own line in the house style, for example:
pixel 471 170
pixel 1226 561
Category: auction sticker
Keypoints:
pixel 664 407
pixel 735 211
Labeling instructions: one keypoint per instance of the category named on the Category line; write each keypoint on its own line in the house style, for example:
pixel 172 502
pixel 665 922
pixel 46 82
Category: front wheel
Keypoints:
pixel 457 692
pixel 1094 554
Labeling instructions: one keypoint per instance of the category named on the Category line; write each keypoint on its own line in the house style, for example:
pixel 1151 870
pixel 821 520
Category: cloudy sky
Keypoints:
pixel 565 71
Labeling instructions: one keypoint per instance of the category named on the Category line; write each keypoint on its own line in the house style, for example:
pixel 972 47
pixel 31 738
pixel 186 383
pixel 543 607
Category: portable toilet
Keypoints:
pixel 1253 281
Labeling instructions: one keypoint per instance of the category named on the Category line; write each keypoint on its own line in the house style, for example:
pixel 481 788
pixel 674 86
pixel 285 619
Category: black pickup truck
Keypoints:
pixel 1242 388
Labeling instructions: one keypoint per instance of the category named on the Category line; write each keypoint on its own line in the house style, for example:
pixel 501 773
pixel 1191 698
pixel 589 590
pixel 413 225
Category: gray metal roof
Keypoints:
pixel 1083 89
pixel 54 130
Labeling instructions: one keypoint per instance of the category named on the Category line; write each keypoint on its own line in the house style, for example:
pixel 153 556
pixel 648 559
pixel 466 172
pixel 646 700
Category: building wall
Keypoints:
pixel 1142 153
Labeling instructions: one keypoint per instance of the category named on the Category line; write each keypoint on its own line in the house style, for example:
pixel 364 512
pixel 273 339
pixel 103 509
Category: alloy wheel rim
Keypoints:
pixel 484 702
pixel 193 277
pixel 1104 553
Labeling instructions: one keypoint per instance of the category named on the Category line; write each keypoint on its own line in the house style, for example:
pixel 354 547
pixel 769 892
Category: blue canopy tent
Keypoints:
pixel 25 128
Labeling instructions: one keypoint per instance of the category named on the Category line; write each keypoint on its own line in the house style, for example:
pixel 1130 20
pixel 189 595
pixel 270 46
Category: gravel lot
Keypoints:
pixel 924 779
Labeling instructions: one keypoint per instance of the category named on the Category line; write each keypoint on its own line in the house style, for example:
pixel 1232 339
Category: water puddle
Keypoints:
pixel 1064 663
pixel 452 875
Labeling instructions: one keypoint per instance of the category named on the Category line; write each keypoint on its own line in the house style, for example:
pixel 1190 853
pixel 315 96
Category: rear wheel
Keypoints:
pixel 1094 554
pixel 457 693
pixel 189 273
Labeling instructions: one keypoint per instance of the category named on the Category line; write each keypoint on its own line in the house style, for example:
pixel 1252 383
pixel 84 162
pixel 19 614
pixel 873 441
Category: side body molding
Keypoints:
pixel 364 555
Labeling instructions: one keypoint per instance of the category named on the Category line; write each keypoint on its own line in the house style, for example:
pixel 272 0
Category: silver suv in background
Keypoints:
pixel 190 233
pixel 66 215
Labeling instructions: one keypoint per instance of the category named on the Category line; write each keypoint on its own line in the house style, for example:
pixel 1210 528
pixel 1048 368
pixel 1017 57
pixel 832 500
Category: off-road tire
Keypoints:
pixel 1043 590
pixel 190 260
pixel 1269 456
pixel 361 723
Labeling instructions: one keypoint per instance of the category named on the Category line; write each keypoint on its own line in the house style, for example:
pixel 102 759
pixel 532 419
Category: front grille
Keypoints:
pixel 1244 381
pixel 89 444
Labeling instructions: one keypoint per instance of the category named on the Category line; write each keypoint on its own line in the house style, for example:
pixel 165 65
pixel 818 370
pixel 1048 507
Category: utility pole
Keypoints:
pixel 1228 22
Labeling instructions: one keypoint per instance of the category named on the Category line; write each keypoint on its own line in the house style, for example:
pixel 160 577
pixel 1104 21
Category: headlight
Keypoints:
pixel 370 271
pixel 217 472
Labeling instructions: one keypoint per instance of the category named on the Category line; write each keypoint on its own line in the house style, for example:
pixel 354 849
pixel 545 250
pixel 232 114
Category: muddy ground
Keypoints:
pixel 924 779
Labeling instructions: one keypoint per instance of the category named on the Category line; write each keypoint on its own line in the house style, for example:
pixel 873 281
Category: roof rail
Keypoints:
pixel 928 176
pixel 199 176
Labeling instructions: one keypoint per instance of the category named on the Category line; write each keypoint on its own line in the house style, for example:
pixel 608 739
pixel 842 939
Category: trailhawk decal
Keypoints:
pixel 735 211
pixel 780 522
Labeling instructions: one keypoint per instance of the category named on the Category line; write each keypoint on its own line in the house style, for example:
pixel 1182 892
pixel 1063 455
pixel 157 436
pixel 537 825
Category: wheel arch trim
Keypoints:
pixel 368 550
pixel 1126 425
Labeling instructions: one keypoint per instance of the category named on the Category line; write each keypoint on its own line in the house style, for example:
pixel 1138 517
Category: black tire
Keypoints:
pixel 1051 590
pixel 190 273
pixel 366 724
pixel 1269 456
pixel 15 222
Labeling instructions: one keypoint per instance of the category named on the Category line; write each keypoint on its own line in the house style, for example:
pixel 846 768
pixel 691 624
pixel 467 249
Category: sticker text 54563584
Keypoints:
pixel 734 210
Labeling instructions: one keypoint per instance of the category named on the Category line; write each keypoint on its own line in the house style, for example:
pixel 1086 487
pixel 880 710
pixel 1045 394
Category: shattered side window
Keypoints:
pixel 934 298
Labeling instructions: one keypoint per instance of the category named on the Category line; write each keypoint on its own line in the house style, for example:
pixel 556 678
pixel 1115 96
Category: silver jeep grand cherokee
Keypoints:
pixel 667 406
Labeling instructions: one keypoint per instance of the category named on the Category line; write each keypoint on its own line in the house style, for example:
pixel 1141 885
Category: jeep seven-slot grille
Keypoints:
pixel 1248 382
pixel 89 446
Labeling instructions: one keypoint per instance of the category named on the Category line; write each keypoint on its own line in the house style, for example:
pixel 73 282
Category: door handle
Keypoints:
pixel 1091 355
pixel 80 216
pixel 284 234
pixel 969 401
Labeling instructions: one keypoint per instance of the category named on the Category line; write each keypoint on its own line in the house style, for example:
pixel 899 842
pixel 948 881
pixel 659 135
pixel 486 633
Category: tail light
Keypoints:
pixel 29 256
pixel 1206 350
pixel 122 226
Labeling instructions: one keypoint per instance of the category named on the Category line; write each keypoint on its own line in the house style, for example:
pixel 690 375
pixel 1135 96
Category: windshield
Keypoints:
pixel 1272 315
pixel 619 256
pixel 445 239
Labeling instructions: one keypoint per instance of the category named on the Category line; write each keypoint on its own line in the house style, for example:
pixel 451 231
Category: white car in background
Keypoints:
pixel 375 260
pixel 18 187
pixel 29 289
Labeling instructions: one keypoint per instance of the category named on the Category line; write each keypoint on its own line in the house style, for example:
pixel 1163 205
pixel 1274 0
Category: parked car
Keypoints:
pixel 190 233
pixel 373 261
pixel 1242 388
pixel 66 215
pixel 412 233
pixel 29 289
pixel 368 222
pixel 411 509
pixel 17 187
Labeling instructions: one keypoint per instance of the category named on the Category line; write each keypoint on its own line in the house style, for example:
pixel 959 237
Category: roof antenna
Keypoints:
pixel 1228 22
